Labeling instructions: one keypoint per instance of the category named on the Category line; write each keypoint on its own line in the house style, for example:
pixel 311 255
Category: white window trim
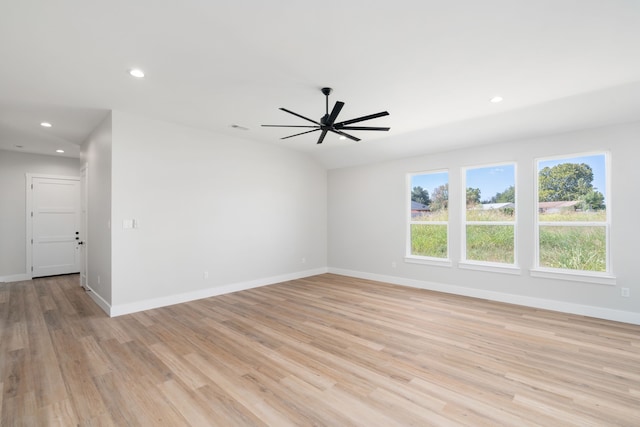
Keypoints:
pixel 574 275
pixel 573 223
pixel 493 267
pixel 472 264
pixel 605 278
pixel 489 222
pixel 437 262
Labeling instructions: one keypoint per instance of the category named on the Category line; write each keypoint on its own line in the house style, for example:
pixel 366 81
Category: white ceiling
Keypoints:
pixel 559 64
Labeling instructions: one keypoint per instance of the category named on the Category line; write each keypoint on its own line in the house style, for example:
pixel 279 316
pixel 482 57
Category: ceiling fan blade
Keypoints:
pixel 324 133
pixel 362 119
pixel 298 115
pixel 345 135
pixel 301 133
pixel 334 113
pixel 362 128
pixel 287 126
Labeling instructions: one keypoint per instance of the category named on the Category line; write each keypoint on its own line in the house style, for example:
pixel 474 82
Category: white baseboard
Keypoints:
pixel 561 306
pixel 121 309
pixel 102 303
pixel 14 278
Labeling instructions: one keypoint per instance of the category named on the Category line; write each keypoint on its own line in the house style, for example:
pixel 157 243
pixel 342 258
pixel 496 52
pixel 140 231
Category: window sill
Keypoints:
pixel 490 267
pixel 599 278
pixel 438 262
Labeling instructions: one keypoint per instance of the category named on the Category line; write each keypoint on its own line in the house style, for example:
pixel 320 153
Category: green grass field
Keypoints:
pixel 490 215
pixel 490 243
pixel 573 248
pixel 429 240
pixel 569 216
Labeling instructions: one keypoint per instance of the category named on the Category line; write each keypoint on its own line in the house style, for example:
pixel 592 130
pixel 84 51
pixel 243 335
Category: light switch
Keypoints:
pixel 127 223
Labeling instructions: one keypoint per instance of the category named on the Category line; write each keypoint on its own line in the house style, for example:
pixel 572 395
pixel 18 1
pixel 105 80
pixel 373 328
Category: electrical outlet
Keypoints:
pixel 304 260
pixel 98 280
pixel 205 275
pixel 393 264
pixel 625 292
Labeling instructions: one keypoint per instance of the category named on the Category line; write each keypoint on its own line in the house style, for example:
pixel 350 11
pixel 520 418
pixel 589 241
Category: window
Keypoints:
pixel 429 216
pixel 490 215
pixel 573 214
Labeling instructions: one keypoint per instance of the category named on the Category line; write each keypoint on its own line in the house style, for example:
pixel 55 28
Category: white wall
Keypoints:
pixel 13 169
pixel 95 153
pixel 247 213
pixel 367 224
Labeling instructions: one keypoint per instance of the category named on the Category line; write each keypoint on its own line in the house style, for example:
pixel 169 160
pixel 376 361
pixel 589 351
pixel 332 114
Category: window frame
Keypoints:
pixel 497 267
pixel 422 259
pixel 600 277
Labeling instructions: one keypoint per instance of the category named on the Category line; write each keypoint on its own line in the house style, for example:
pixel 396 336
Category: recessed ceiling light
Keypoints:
pixel 136 72
pixel 496 99
pixel 19 146
pixel 59 151
pixel 239 127
pixel 45 124
pixel 342 137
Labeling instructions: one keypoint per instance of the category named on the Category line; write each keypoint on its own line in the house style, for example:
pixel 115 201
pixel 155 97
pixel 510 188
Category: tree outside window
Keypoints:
pixel 573 225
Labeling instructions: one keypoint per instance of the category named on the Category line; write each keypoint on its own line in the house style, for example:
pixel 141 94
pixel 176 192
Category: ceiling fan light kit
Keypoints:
pixel 328 122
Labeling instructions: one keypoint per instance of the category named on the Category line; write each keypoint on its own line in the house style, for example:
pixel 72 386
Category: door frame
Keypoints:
pixel 84 227
pixel 29 215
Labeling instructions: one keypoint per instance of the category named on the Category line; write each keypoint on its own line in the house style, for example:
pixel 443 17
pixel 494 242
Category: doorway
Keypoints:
pixel 53 225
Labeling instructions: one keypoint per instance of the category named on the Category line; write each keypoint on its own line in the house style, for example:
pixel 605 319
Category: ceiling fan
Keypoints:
pixel 328 122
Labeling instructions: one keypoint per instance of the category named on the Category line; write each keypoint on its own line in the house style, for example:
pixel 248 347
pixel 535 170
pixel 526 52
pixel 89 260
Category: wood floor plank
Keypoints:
pixel 324 350
pixel 227 411
pixel 21 410
pixel 239 390
pixel 154 406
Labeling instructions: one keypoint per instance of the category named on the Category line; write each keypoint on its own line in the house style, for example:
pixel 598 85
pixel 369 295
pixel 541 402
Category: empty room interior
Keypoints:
pixel 331 213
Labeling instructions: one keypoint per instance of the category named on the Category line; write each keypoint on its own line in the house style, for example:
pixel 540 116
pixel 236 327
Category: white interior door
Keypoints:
pixel 55 226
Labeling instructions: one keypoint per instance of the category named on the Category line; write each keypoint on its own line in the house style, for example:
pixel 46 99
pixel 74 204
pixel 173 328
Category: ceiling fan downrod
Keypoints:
pixel 326 91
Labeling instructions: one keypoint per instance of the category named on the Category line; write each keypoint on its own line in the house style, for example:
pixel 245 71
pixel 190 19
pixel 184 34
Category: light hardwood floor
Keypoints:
pixel 326 350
